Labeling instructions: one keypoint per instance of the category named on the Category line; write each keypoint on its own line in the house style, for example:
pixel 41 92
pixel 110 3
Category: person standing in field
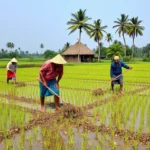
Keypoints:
pixel 11 70
pixel 49 71
pixel 116 70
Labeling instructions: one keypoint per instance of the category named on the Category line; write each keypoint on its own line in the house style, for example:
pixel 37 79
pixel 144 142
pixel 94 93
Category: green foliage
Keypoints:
pixel 146 50
pixel 122 26
pixel 115 49
pixel 49 54
pixel 126 58
pixel 41 45
pixel 96 31
pixel 135 30
pixel 129 51
pixel 102 52
pixel 146 59
pixel 109 37
pixel 66 46
pixel 78 21
pixel 135 27
pixel 10 45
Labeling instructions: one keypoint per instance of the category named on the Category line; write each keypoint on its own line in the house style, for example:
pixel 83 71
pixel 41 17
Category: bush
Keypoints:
pixel 146 59
pixel 126 58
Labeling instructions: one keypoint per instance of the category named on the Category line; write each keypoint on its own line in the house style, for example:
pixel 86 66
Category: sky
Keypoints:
pixel 28 23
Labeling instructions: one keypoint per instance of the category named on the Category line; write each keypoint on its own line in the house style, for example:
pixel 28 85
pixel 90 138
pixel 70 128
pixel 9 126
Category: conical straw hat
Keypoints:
pixel 58 59
pixel 14 60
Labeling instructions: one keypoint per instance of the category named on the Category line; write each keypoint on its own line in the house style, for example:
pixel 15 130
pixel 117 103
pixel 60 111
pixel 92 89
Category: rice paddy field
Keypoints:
pixel 109 121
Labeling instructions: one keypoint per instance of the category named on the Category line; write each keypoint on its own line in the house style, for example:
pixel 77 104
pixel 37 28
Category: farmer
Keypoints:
pixel 49 71
pixel 116 70
pixel 11 70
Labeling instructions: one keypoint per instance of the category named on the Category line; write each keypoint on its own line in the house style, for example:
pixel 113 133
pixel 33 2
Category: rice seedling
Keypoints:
pixel 125 113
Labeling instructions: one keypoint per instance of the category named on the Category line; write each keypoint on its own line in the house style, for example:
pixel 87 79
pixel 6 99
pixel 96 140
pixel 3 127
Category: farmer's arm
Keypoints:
pixel 60 74
pixel 42 73
pixel 126 66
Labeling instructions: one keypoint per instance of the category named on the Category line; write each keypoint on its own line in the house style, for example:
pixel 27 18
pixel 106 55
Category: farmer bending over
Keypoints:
pixel 11 70
pixel 49 71
pixel 115 70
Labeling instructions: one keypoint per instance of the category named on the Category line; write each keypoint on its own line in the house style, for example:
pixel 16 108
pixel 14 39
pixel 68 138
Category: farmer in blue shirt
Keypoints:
pixel 116 70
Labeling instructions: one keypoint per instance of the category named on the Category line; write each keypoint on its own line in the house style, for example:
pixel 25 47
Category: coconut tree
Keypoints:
pixel 10 45
pixel 135 30
pixel 122 25
pixel 79 22
pixel 109 38
pixel 67 45
pixel 96 31
pixel 41 45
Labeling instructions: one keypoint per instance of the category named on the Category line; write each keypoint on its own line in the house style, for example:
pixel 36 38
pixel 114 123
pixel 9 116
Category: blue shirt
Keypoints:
pixel 117 69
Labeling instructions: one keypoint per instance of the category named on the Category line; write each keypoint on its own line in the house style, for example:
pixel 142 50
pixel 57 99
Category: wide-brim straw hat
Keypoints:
pixel 116 58
pixel 14 60
pixel 58 59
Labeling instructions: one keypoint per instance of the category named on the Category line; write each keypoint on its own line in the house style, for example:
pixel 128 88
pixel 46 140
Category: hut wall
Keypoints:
pixel 87 58
pixel 71 58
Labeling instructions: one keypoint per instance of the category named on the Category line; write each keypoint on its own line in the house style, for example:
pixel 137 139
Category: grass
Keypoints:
pixel 130 111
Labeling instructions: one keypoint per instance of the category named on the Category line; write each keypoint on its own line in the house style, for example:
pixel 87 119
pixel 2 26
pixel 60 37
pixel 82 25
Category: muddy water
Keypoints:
pixel 23 141
pixel 100 141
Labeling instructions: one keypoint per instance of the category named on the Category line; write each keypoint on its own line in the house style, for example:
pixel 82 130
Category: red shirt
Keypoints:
pixel 51 71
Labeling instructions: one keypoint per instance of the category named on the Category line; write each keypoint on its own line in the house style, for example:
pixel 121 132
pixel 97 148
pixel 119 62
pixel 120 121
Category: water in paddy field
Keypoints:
pixel 27 141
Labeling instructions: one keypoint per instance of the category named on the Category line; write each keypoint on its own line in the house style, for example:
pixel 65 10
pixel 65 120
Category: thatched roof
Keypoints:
pixel 78 48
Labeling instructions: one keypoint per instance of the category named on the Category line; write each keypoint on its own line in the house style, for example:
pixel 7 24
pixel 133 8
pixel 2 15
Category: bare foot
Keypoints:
pixel 111 91
pixel 57 108
pixel 121 93
pixel 43 109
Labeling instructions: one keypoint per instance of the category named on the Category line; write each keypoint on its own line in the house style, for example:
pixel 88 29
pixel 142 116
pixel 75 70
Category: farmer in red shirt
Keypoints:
pixel 11 70
pixel 49 71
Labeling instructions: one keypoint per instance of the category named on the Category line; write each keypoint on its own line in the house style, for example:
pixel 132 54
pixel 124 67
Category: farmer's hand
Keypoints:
pixel 112 79
pixel 44 84
pixel 57 85
pixel 130 68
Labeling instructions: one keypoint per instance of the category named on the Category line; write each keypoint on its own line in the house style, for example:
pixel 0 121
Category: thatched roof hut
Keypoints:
pixel 78 53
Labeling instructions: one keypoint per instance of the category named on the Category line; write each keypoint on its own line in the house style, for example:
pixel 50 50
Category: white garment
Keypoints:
pixel 11 66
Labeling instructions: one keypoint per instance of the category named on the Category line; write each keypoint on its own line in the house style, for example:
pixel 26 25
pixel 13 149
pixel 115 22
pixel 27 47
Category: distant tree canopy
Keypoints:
pixel 49 54
pixel 146 50
pixel 115 49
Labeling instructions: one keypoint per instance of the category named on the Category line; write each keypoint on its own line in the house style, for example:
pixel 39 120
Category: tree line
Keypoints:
pixel 124 26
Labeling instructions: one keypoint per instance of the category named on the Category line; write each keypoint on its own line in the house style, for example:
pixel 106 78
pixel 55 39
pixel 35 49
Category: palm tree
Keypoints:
pixel 79 22
pixel 10 45
pixel 135 30
pixel 115 50
pixel 41 45
pixel 66 46
pixel 96 32
pixel 122 26
pixel 109 38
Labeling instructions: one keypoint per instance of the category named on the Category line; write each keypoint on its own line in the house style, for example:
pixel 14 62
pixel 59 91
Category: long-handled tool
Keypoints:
pixel 99 91
pixel 52 91
pixel 118 76
pixel 69 109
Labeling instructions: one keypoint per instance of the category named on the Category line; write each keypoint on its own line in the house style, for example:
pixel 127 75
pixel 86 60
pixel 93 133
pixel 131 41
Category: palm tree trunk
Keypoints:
pixel 79 45
pixel 133 48
pixel 99 50
pixel 125 46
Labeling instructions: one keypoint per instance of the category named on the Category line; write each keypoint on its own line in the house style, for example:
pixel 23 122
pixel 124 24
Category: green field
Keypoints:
pixel 114 121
